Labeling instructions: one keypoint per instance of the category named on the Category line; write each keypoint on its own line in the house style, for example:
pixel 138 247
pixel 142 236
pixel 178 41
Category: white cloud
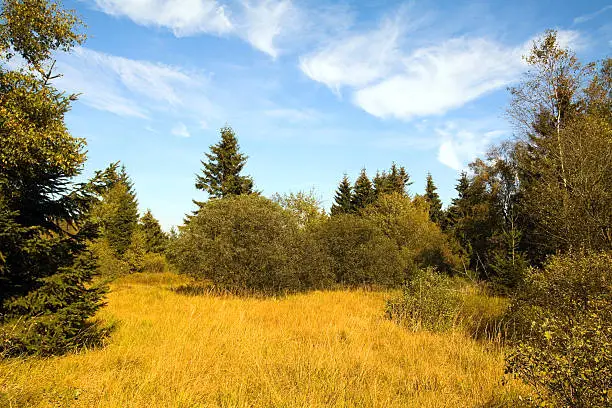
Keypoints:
pixel 180 130
pixel 587 17
pixel 388 79
pixel 265 20
pixel 439 78
pixel 183 17
pixel 262 23
pixel 132 88
pixel 459 146
pixel 355 60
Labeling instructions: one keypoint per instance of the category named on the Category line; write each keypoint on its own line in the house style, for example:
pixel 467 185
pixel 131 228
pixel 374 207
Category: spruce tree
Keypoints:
pixel 221 172
pixel 46 294
pixel 396 180
pixel 363 192
pixel 342 200
pixel 155 239
pixel 432 197
pixel 118 210
pixel 399 179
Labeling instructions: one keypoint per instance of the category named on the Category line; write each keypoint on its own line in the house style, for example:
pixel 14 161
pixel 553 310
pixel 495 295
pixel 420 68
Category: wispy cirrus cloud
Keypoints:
pixel 265 24
pixel 387 77
pixel 357 59
pixel 587 17
pixel 183 17
pixel 134 88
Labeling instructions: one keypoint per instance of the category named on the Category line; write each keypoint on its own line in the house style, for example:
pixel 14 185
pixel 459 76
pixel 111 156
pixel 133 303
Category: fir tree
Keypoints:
pixel 221 172
pixel 45 267
pixel 118 211
pixel 396 180
pixel 435 205
pixel 399 179
pixel 381 184
pixel 363 192
pixel 155 239
pixel 342 200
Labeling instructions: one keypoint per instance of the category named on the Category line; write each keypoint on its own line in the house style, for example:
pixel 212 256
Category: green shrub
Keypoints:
pixel 563 340
pixel 407 223
pixel 245 243
pixel 156 263
pixel 429 301
pixel 360 253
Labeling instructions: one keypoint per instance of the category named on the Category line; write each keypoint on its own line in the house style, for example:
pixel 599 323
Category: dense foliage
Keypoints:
pixel 245 243
pixel 563 345
pixel 45 267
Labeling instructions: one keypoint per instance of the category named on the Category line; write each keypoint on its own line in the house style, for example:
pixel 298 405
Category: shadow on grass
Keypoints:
pixel 20 340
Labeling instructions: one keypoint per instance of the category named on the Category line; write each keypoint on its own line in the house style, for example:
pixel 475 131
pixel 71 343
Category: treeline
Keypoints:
pixel 377 234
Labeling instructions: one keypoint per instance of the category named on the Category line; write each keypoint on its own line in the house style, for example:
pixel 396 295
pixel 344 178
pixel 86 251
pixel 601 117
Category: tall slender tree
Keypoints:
pixel 221 172
pixel 45 267
pixel 155 239
pixel 399 179
pixel 117 211
pixel 363 192
pixel 342 200
pixel 435 204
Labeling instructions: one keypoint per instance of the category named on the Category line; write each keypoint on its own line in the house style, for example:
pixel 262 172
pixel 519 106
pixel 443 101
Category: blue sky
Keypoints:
pixel 313 89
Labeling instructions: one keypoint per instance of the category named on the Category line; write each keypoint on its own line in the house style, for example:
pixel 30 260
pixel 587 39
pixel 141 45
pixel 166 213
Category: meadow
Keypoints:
pixel 322 348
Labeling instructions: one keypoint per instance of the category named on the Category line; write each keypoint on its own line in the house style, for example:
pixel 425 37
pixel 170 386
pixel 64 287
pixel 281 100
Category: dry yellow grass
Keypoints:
pixel 309 350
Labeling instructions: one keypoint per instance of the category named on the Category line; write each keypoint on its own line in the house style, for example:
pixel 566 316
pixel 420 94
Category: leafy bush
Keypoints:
pixel 407 223
pixel 244 242
pixel 428 301
pixel 360 253
pixel 563 318
pixel 155 263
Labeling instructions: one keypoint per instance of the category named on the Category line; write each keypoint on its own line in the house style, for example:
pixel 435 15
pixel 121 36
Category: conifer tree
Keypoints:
pixel 46 294
pixel 221 172
pixel 118 210
pixel 396 180
pixel 399 179
pixel 155 239
pixel 342 200
pixel 435 204
pixel 363 192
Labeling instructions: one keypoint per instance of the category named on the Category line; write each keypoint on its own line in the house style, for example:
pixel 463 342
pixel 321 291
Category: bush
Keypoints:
pixel 407 223
pixel 155 263
pixel 360 253
pixel 243 243
pixel 428 301
pixel 563 339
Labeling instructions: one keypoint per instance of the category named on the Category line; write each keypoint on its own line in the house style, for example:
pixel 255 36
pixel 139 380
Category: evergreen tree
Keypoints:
pixel 118 210
pixel 45 267
pixel 382 184
pixel 396 180
pixel 399 179
pixel 155 239
pixel 342 200
pixel 221 172
pixel 435 205
pixel 363 192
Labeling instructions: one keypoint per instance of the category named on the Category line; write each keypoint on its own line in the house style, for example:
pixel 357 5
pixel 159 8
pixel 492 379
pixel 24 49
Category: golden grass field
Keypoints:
pixel 317 349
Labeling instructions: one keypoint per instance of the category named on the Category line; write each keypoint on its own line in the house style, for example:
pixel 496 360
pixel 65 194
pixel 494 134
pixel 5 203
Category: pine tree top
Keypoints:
pixel 221 171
